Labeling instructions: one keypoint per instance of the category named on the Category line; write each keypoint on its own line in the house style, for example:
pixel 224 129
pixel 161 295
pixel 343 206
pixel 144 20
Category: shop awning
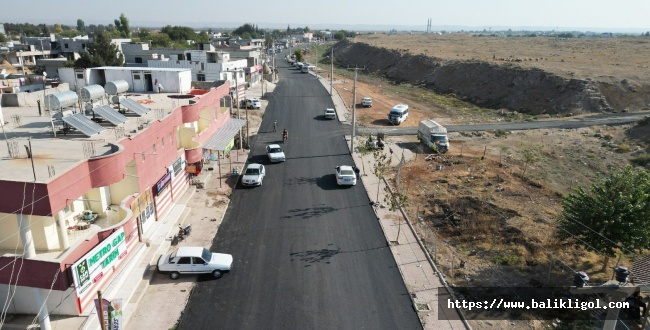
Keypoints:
pixel 222 137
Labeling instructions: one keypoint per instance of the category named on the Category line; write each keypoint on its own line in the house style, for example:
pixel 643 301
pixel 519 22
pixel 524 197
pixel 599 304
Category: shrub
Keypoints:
pixel 642 160
pixel 644 121
pixel 623 147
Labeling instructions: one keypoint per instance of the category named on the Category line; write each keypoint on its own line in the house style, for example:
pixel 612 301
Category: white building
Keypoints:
pixel 140 79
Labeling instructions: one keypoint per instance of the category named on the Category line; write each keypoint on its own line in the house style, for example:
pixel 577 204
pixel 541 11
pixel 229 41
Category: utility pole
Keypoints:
pixel 354 110
pixel 238 112
pixel 331 69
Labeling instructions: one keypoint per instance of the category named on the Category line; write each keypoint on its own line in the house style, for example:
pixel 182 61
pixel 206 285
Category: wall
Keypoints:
pixel 9 231
pixel 29 99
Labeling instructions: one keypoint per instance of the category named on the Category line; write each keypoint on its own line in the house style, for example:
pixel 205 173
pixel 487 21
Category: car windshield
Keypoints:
pixel 206 255
pixel 252 171
pixel 275 150
pixel 347 172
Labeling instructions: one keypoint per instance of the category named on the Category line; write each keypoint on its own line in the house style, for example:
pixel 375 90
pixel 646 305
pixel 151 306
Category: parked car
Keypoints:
pixel 366 102
pixel 253 104
pixel 253 175
pixel 330 114
pixel 345 175
pixel 275 153
pixel 194 260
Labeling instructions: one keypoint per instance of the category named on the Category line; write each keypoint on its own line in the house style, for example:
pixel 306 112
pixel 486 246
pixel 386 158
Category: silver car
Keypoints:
pixel 275 153
pixel 253 175
pixel 346 176
pixel 194 260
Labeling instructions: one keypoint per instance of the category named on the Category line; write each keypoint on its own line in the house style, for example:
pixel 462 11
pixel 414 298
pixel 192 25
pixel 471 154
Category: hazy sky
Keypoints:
pixel 601 14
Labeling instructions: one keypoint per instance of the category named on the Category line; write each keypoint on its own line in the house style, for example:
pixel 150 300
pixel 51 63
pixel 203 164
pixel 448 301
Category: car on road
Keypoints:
pixel 253 104
pixel 366 102
pixel 330 114
pixel 253 175
pixel 194 260
pixel 346 176
pixel 275 153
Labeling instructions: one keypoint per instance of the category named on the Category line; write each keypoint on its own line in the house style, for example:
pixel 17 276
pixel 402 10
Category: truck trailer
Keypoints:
pixel 433 135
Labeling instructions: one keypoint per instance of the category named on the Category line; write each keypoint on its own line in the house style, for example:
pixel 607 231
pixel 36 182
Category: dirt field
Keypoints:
pixel 476 206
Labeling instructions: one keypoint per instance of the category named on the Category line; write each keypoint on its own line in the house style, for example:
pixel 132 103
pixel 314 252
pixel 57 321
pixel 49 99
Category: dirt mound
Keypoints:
pixel 506 85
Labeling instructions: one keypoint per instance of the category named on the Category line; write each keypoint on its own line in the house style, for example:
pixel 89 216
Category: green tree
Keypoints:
pixel 530 155
pixel 81 26
pixel 58 28
pixel 339 35
pixel 3 38
pixel 160 40
pixel 179 33
pixel 611 216
pixel 299 55
pixel 101 52
pixel 144 35
pixel 122 25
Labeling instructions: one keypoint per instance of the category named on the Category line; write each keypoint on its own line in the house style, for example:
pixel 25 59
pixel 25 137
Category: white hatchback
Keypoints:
pixel 366 102
pixel 330 114
pixel 346 176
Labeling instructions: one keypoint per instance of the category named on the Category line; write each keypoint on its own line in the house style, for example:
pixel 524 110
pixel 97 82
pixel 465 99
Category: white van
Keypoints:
pixel 398 114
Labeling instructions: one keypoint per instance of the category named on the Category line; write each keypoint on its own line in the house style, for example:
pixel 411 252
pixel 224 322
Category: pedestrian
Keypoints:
pixel 357 172
pixel 160 88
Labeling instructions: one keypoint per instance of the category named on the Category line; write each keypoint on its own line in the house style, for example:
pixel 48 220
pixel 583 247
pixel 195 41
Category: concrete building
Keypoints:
pixel 140 79
pixel 76 200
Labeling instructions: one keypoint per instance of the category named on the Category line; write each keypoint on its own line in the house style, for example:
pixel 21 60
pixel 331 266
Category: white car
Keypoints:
pixel 253 104
pixel 253 175
pixel 275 153
pixel 330 114
pixel 366 102
pixel 346 176
pixel 194 260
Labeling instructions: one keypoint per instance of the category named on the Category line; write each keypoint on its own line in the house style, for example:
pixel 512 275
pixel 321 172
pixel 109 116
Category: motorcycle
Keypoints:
pixel 182 233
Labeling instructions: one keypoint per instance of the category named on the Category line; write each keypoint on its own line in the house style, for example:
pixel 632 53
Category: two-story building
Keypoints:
pixel 78 193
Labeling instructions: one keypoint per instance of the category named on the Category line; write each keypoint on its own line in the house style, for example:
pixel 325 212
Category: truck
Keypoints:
pixel 433 135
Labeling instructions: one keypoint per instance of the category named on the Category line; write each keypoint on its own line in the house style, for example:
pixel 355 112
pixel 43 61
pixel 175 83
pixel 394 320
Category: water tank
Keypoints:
pixel 91 93
pixel 116 87
pixel 60 100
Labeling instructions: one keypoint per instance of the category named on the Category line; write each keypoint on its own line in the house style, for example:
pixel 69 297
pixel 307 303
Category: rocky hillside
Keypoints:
pixel 496 84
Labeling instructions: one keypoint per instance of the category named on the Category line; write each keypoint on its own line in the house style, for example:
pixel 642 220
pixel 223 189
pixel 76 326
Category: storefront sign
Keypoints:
pixel 95 264
pixel 163 182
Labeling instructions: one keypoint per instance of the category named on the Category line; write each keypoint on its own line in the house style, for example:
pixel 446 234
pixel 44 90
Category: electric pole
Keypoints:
pixel 354 109
pixel 331 69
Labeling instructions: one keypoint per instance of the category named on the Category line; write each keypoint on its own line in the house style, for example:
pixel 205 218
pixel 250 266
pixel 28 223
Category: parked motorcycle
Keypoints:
pixel 182 233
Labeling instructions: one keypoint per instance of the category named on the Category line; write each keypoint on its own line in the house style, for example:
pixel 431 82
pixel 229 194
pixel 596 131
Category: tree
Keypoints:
pixel 160 40
pixel 81 26
pixel 612 215
pixel 58 28
pixel 3 38
pixel 299 55
pixel 396 201
pixel 530 155
pixel 122 25
pixel 339 35
pixel 101 52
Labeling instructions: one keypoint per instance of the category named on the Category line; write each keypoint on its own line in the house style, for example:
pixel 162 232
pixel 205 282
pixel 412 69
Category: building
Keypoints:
pixel 140 79
pixel 79 193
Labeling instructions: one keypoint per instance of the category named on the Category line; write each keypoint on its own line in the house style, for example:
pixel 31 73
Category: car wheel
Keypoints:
pixel 174 275
pixel 217 273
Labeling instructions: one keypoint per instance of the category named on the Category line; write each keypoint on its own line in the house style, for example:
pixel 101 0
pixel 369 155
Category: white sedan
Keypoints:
pixel 275 153
pixel 253 175
pixel 346 176
pixel 194 260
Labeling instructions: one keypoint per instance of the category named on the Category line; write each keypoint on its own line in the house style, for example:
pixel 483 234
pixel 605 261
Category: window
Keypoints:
pixel 138 60
pixel 136 76
pixel 202 66
pixel 67 209
pixel 80 75
pixel 163 142
pixel 189 56
pixel 65 45
pixel 185 260
pixel 200 77
pixel 83 46
pixel 154 148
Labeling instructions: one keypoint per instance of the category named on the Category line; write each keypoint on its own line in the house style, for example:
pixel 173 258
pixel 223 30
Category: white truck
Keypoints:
pixel 433 135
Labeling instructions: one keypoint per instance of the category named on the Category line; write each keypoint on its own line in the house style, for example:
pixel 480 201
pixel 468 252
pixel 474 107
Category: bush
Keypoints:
pixel 644 121
pixel 643 160
pixel 623 147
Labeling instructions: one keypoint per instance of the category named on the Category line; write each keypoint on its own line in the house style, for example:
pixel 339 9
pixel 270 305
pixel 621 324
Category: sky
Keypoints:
pixel 585 15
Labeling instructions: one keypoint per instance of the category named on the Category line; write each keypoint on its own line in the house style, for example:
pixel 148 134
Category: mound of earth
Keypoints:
pixel 529 82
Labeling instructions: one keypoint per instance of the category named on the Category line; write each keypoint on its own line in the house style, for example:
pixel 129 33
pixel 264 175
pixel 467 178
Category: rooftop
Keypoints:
pixel 56 155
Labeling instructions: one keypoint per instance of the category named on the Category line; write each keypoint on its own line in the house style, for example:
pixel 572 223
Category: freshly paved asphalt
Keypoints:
pixel 307 254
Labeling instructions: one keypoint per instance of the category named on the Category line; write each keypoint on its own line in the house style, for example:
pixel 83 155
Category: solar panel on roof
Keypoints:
pixel 136 107
pixel 109 114
pixel 83 124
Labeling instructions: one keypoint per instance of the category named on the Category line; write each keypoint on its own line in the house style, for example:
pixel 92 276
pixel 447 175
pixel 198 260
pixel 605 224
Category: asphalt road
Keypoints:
pixel 307 254
pixel 586 121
